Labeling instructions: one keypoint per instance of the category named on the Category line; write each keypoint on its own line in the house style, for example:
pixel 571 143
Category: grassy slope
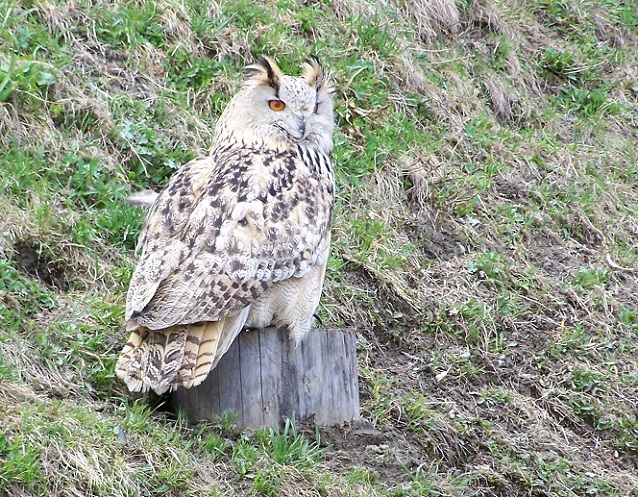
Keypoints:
pixel 485 242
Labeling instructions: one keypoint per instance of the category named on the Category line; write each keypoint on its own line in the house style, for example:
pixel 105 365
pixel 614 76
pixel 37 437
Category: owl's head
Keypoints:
pixel 275 109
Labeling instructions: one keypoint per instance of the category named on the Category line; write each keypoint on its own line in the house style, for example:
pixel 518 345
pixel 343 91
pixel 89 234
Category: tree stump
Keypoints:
pixel 264 378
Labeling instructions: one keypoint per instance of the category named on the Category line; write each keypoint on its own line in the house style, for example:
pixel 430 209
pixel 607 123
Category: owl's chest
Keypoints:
pixel 265 175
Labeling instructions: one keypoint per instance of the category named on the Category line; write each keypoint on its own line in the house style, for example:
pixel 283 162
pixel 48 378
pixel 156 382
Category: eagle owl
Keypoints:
pixel 239 238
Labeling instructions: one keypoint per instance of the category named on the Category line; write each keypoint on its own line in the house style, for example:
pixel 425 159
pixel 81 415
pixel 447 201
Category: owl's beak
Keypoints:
pixel 301 124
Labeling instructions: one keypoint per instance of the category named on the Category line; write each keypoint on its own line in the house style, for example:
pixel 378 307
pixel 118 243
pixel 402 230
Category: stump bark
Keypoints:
pixel 264 378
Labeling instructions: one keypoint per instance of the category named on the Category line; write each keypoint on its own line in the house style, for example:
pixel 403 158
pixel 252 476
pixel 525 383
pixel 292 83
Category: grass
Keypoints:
pixel 484 243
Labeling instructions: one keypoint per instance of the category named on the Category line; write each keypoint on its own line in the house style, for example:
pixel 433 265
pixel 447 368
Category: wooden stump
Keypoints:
pixel 264 378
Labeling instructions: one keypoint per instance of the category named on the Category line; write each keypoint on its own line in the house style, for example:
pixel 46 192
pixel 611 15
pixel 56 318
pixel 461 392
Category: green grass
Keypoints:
pixel 488 261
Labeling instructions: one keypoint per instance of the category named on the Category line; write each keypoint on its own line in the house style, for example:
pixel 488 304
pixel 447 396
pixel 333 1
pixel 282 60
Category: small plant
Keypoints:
pixel 267 482
pixel 424 481
pixel 375 34
pixel 360 475
pixel 380 397
pixel 589 277
pixel 591 103
pixel 495 395
pixel 489 267
pixel 215 446
pixel 31 294
pixel 420 413
pixel 19 462
pixel 585 380
pixel 24 78
pixel 245 456
pixel 291 447
pixel 152 151
pixel 560 63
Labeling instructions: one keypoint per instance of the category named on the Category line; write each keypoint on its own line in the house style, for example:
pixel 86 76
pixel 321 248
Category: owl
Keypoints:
pixel 238 239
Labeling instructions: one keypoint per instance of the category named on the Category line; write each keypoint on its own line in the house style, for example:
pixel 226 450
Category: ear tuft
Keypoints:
pixel 265 72
pixel 315 76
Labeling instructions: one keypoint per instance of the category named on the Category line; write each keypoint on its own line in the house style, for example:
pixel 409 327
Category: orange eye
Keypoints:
pixel 276 105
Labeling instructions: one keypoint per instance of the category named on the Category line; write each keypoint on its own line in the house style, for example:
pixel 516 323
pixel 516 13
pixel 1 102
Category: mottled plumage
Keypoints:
pixel 239 238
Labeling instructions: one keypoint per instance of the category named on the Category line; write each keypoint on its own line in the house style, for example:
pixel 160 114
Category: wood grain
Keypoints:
pixel 264 377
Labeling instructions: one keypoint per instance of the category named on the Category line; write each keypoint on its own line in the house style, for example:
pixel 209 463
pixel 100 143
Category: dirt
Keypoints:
pixel 34 263
pixel 382 450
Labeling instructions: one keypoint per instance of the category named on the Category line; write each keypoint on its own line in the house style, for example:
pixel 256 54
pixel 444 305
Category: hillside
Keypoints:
pixel 485 243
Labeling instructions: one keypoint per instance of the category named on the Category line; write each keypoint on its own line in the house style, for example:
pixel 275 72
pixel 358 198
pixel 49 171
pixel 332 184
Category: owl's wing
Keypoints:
pixel 224 230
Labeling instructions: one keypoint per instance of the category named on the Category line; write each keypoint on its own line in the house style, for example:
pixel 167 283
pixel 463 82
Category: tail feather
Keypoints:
pixel 129 365
pixel 164 357
pixel 205 354
pixel 191 350
pixel 180 355
pixel 218 337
